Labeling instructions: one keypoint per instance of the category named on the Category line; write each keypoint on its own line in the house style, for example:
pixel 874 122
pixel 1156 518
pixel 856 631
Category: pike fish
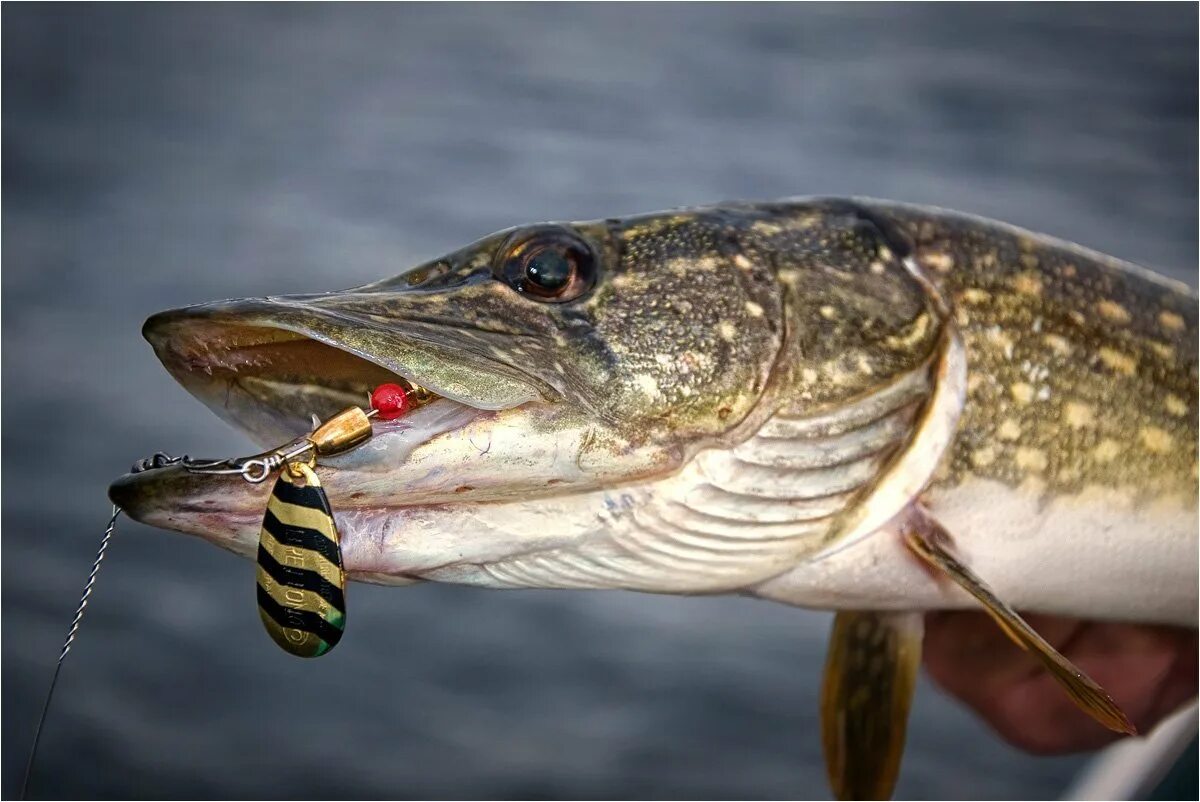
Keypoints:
pixel 846 404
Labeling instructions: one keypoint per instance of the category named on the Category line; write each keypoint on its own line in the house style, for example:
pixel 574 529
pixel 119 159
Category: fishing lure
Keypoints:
pixel 301 582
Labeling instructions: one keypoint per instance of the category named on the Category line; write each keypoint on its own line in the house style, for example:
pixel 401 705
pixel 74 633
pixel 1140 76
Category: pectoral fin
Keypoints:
pixel 926 538
pixel 869 677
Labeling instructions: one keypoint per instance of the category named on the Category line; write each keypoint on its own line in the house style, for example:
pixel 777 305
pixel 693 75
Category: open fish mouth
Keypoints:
pixel 268 365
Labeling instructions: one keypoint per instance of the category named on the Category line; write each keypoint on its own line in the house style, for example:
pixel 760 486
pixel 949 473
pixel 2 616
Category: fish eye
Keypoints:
pixel 549 264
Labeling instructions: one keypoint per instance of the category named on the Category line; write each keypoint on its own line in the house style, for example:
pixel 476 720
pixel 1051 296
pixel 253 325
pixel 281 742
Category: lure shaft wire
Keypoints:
pixel 74 631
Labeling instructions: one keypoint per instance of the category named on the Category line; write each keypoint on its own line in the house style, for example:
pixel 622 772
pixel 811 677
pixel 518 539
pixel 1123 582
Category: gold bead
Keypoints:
pixel 342 432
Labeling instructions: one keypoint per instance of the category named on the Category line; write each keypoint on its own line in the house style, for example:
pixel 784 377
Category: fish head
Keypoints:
pixel 562 360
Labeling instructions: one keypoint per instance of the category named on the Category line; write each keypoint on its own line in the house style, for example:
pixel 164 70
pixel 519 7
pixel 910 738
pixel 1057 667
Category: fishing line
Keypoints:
pixel 300 582
pixel 71 634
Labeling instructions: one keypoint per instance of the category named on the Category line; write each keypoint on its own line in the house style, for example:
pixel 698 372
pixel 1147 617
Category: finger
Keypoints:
pixel 969 656
pixel 1133 662
pixel 1180 686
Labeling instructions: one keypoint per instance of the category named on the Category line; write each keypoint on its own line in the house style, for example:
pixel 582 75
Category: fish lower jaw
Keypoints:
pixel 389 545
pixel 364 558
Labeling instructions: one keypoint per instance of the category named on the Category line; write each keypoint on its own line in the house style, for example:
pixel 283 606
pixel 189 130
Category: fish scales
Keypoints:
pixel 1083 368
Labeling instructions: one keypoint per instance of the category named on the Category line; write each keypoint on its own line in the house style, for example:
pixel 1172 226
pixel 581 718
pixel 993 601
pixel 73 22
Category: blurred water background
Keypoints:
pixel 155 156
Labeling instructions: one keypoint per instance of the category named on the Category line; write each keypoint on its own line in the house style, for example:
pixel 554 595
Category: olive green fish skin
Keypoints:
pixel 1082 369
pixel 796 303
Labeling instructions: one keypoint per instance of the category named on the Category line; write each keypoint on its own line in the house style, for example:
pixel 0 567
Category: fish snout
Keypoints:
pixel 223 509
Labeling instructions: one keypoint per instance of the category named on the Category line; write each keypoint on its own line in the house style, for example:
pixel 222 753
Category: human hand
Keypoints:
pixel 1149 670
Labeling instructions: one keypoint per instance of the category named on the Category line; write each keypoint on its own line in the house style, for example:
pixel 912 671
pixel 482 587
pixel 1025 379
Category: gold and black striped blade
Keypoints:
pixel 301 584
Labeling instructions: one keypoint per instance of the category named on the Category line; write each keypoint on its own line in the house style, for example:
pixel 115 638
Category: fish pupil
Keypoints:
pixel 549 269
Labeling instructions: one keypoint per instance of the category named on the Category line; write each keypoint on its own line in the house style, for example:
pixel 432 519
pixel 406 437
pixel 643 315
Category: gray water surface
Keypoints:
pixel 156 156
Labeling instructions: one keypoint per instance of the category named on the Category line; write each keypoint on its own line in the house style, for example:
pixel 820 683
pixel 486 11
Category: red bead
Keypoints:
pixel 390 400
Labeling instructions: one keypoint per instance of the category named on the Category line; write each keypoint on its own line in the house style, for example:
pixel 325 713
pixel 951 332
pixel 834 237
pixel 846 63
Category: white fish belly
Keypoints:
pixel 1095 555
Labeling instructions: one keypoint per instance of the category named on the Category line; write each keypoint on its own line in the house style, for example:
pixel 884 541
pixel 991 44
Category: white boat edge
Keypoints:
pixel 1131 768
